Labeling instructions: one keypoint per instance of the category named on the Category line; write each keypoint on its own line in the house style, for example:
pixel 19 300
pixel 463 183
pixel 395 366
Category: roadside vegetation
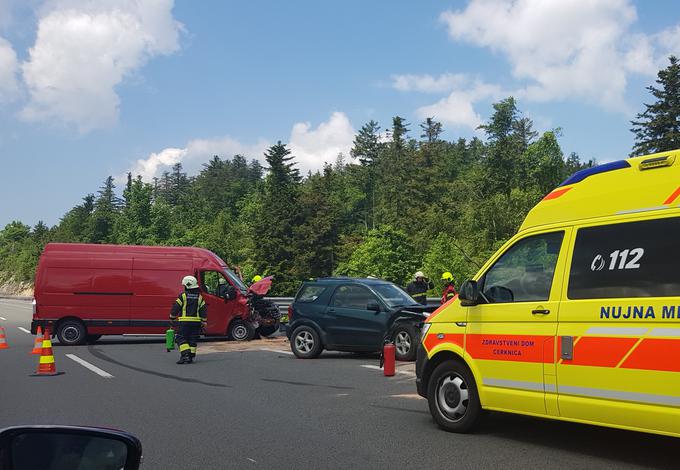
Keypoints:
pixel 403 200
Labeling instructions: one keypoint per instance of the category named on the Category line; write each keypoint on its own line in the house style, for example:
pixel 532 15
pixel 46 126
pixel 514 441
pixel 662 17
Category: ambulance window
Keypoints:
pixel 525 272
pixel 632 259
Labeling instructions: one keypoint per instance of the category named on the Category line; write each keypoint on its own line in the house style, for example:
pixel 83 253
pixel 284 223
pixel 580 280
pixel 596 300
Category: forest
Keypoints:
pixel 403 200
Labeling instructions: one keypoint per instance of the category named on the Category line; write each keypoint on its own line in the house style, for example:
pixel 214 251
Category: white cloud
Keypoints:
pixel 457 108
pixel 85 48
pixel 429 84
pixel 8 71
pixel 313 147
pixel 564 48
pixel 196 152
pixel 310 147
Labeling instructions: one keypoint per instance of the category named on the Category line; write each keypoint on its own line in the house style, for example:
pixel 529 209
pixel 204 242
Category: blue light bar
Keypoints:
pixel 583 174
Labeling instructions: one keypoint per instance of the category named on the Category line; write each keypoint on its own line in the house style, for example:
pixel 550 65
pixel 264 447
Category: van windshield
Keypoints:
pixel 235 280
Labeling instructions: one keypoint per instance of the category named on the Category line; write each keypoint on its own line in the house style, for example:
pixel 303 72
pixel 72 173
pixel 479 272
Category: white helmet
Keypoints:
pixel 190 282
pixel 418 274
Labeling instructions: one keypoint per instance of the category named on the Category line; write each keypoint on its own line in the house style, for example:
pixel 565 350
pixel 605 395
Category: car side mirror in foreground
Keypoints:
pixel 469 293
pixel 230 293
pixel 47 447
pixel 374 306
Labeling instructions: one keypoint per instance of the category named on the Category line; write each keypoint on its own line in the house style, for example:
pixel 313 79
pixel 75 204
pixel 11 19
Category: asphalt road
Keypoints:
pixel 266 409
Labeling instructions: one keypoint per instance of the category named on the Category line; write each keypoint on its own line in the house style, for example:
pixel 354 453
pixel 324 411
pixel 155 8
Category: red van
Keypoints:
pixel 84 291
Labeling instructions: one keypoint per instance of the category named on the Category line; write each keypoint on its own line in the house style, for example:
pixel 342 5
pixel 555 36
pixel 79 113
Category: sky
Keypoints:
pixel 91 88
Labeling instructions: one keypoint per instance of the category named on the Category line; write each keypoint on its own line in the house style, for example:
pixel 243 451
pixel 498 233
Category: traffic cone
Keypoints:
pixel 46 365
pixel 3 340
pixel 37 346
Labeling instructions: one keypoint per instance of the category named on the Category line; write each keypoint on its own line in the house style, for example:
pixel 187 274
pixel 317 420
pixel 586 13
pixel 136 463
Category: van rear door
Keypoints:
pixel 96 289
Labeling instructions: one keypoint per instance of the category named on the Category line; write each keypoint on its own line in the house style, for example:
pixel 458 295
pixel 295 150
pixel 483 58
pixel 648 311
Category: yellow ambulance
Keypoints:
pixel 577 317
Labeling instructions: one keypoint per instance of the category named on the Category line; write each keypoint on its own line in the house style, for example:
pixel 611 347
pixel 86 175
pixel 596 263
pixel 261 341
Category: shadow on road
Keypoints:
pixel 646 450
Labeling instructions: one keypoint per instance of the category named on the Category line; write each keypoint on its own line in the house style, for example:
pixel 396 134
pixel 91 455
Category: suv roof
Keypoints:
pixel 341 279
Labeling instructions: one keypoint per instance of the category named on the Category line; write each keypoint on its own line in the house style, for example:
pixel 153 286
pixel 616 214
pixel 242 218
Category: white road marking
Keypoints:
pixel 403 372
pixel 254 461
pixel 87 365
pixel 3 319
pixel 281 351
pixel 24 329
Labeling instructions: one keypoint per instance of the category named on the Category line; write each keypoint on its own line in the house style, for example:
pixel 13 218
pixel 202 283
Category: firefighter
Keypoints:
pixel 191 312
pixel 418 287
pixel 449 288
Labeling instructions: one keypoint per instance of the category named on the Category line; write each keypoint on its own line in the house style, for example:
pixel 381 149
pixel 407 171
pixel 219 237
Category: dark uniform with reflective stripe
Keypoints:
pixel 418 290
pixel 191 312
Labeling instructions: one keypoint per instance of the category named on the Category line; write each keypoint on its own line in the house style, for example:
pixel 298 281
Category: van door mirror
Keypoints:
pixel 469 293
pixel 373 306
pixel 31 447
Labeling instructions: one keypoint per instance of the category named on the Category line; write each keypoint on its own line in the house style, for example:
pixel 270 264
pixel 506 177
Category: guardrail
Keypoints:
pixel 284 302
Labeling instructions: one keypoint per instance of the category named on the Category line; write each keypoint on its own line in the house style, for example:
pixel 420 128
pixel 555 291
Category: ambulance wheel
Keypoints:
pixel 305 343
pixel 71 333
pixel 453 398
pixel 241 331
pixel 405 343
pixel 92 338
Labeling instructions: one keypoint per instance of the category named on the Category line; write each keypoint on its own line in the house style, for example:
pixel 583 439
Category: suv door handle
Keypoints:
pixel 540 311
pixel 331 310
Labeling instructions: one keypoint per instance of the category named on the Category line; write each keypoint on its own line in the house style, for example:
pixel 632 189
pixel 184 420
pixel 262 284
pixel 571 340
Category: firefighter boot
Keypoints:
pixel 192 357
pixel 185 358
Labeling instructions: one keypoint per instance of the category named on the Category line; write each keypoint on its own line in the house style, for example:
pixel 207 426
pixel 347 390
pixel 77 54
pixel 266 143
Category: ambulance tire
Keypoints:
pixel 452 397
pixel 240 330
pixel 71 333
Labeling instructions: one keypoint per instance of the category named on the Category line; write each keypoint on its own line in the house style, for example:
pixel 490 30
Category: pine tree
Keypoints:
pixel 367 145
pixel 657 129
pixel 431 130
pixel 106 208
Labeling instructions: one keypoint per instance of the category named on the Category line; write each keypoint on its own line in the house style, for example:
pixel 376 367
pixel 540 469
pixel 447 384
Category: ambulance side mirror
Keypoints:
pixel 469 294
pixel 32 447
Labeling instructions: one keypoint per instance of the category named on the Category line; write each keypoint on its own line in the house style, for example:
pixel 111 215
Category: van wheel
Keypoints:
pixel 405 343
pixel 452 397
pixel 268 330
pixel 241 331
pixel 71 333
pixel 305 343
pixel 91 339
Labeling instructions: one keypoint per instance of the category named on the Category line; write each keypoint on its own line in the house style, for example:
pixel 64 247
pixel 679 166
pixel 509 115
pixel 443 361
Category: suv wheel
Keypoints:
pixel 452 397
pixel 305 343
pixel 405 343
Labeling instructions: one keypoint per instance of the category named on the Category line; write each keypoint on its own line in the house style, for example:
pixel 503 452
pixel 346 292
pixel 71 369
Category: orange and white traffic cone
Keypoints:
pixel 3 339
pixel 37 346
pixel 46 365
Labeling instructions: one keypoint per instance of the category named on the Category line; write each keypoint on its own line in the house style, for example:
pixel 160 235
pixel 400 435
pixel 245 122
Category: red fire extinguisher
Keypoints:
pixel 388 359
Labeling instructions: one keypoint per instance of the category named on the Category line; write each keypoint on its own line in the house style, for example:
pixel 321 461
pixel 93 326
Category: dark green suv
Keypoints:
pixel 347 314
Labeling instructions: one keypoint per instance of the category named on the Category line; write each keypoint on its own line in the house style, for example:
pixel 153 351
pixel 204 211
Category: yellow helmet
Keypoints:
pixel 256 278
pixel 447 276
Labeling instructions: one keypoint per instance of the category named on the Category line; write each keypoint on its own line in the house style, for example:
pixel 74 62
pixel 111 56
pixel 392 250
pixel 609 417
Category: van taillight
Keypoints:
pixel 35 307
pixel 290 313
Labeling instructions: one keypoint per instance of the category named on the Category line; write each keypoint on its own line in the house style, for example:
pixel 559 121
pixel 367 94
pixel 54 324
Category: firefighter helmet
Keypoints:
pixel 447 276
pixel 190 282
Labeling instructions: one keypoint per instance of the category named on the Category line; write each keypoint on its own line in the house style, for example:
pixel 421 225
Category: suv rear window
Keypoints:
pixel 632 259
pixel 309 293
